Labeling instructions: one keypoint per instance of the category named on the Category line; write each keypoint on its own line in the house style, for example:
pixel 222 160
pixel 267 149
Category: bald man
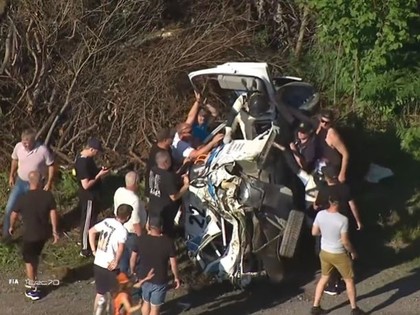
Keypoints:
pixel 36 207
pixel 137 222
pixel 182 146
pixel 165 191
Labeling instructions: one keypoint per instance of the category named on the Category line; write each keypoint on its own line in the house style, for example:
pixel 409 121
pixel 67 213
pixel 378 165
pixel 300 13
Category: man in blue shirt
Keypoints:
pixel 199 118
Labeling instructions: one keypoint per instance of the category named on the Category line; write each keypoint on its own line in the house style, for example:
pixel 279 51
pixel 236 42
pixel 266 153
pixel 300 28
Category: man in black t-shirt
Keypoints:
pixel 163 144
pixel 155 251
pixel 89 177
pixel 347 206
pixel 36 207
pixel 304 147
pixel 165 191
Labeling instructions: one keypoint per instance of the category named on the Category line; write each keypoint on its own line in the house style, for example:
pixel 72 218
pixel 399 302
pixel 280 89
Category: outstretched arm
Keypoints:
pixel 192 115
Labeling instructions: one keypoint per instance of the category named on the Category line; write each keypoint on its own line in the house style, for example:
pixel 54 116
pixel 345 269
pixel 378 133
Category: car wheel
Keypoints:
pixel 291 234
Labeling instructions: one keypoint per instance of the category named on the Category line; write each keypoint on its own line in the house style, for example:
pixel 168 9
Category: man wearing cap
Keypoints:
pixel 346 207
pixel 89 177
pixel 304 147
pixel 331 148
pixel 28 155
pixel 154 250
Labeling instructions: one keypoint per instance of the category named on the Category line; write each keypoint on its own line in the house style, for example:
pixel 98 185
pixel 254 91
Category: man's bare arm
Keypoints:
pixel 51 172
pixel 180 193
pixel 356 213
pixel 13 171
pixel 192 115
pixel 133 261
pixel 315 230
pixel 92 239
pixel 339 145
pixel 347 244
pixel 206 148
pixel 174 268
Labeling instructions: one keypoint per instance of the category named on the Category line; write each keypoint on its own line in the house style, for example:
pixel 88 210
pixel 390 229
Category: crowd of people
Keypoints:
pixel 133 249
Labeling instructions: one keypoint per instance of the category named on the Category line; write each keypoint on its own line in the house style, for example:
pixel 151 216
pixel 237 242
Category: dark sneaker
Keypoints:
pixel 33 294
pixel 357 311
pixel 331 290
pixel 318 310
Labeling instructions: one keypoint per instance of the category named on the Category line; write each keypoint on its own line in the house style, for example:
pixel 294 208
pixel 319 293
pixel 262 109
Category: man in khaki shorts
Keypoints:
pixel 335 246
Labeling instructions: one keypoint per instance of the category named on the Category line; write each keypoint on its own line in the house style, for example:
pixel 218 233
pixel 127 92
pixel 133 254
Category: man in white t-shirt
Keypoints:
pixel 108 252
pixel 335 246
pixel 136 224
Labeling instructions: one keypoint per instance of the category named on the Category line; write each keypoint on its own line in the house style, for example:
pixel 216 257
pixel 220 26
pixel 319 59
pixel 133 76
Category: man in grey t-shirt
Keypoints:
pixel 335 243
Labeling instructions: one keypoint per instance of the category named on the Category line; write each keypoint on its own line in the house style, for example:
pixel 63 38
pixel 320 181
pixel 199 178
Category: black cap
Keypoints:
pixel 304 128
pixel 330 171
pixel 155 222
pixel 94 143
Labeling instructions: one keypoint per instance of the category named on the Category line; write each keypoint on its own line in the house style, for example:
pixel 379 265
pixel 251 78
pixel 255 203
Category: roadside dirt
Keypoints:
pixel 392 291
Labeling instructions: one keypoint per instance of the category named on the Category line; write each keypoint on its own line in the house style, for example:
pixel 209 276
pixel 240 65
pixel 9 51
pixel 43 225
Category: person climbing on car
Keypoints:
pixel 182 146
pixel 331 149
pixel 347 207
pixel 247 107
pixel 200 117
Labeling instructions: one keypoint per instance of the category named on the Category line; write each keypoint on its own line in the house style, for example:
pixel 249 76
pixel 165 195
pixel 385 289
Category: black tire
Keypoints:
pixel 291 234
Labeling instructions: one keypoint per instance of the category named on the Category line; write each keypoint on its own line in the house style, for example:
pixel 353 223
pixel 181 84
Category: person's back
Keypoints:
pixel 332 225
pixel 155 252
pixel 35 207
pixel 335 250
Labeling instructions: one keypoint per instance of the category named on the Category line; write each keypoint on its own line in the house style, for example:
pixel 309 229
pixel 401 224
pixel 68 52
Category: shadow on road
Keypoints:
pixel 222 299
pixel 404 287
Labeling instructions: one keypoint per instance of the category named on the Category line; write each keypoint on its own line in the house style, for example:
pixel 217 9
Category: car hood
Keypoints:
pixel 237 76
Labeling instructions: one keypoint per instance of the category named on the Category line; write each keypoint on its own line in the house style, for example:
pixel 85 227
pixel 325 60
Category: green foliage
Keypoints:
pixel 410 141
pixel 66 189
pixel 370 47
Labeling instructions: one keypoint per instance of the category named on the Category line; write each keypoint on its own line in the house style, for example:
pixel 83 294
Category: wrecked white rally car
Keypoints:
pixel 240 220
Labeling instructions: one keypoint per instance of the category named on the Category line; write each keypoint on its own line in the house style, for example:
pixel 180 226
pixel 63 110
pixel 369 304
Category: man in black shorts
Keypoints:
pixel 155 251
pixel 165 192
pixel 109 250
pixel 89 177
pixel 36 207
